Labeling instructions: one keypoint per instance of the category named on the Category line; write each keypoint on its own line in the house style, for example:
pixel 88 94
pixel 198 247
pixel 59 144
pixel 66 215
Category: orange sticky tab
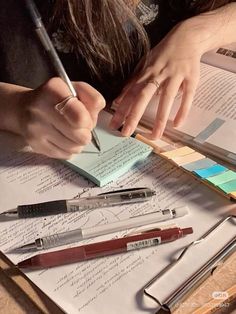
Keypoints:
pixel 182 151
pixel 183 160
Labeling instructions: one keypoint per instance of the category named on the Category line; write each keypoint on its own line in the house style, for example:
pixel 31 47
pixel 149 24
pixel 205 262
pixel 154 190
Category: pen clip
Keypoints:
pixel 125 190
pixel 150 229
pixel 131 233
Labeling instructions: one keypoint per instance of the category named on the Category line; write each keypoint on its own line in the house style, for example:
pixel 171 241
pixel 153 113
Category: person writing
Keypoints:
pixel 126 50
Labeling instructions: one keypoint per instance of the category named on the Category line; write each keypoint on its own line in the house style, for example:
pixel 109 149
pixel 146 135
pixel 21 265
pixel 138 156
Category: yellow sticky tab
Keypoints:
pixel 233 195
pixel 182 151
pixel 183 160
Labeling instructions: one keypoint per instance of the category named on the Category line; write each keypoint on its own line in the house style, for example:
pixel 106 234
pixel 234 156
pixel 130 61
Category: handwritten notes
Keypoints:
pixel 118 154
pixel 112 284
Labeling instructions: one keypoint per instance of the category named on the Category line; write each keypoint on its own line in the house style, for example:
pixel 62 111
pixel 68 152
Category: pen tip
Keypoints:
pixel 29 246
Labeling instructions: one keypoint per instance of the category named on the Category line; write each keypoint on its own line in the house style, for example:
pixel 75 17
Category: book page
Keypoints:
pixel 214 99
pixel 105 285
pixel 223 57
pixel 118 154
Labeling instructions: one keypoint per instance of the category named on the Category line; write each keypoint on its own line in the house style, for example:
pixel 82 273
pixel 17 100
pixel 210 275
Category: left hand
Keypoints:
pixel 175 64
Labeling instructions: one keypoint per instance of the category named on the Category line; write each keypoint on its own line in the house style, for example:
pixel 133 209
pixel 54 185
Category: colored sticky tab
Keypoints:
pixel 223 177
pixel 182 151
pixel 228 187
pixel 233 195
pixel 199 164
pixel 209 172
pixel 158 145
pixel 209 130
pixel 183 160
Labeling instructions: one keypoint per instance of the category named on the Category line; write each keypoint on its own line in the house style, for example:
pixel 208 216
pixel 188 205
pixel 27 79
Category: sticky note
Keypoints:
pixel 199 164
pixel 182 160
pixel 118 154
pixel 211 171
pixel 228 186
pixel 182 151
pixel 223 177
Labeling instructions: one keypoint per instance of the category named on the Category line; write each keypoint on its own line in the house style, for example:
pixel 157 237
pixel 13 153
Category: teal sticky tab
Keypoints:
pixel 199 164
pixel 209 172
pixel 228 186
pixel 223 177
pixel 118 154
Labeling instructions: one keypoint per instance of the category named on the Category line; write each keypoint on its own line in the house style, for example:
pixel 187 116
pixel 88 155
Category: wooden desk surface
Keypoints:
pixel 18 295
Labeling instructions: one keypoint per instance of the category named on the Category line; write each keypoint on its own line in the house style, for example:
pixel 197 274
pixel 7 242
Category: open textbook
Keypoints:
pixel 211 123
pixel 111 284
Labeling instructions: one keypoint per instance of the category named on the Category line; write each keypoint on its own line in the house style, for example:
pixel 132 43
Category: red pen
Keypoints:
pixel 105 248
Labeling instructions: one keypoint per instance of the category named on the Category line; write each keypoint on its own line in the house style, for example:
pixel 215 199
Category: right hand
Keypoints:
pixel 59 135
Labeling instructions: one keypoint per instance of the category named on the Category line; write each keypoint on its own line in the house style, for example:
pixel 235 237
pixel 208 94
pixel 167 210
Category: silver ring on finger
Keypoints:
pixel 155 82
pixel 60 106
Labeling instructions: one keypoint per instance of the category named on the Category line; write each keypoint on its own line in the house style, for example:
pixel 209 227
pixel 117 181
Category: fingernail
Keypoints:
pixel 126 131
pixel 114 124
pixel 177 123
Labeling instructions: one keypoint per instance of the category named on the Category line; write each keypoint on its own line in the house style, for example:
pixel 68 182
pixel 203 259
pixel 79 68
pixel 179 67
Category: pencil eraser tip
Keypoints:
pixel 181 211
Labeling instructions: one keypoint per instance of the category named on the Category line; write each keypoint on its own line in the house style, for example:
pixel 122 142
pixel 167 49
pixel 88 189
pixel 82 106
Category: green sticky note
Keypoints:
pixel 228 186
pixel 118 154
pixel 222 178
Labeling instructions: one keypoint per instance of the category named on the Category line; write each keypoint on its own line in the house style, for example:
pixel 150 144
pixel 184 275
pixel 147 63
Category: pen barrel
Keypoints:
pixel 59 239
pixel 48 46
pixel 100 202
pixel 42 209
pixel 104 248
pixel 86 233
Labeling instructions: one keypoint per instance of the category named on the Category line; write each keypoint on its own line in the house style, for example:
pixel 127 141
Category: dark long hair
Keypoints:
pixel 99 30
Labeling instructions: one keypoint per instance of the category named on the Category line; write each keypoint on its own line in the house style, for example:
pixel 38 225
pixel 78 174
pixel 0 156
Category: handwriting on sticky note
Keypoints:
pixel 118 154
pixel 124 154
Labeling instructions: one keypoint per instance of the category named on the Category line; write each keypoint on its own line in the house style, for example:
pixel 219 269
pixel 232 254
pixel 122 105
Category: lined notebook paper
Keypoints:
pixel 118 154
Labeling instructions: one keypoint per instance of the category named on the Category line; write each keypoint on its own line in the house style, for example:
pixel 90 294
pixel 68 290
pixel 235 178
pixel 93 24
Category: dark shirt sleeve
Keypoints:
pixel 22 59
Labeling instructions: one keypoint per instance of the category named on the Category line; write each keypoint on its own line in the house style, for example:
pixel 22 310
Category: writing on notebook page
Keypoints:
pixel 83 287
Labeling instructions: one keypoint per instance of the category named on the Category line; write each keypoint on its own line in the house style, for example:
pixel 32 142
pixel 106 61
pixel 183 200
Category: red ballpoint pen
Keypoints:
pixel 105 248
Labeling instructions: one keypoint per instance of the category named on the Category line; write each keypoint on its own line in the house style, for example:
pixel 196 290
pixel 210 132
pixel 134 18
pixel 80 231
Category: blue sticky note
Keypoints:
pixel 211 171
pixel 199 164
pixel 118 154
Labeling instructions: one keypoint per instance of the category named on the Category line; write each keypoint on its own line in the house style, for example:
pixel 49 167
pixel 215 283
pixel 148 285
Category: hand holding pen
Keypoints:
pixel 53 121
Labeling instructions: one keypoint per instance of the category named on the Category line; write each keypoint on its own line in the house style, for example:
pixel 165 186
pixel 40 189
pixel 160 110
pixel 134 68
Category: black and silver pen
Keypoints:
pixel 47 44
pixel 114 198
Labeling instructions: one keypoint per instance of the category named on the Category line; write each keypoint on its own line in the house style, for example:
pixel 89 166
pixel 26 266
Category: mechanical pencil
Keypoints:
pixel 86 233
